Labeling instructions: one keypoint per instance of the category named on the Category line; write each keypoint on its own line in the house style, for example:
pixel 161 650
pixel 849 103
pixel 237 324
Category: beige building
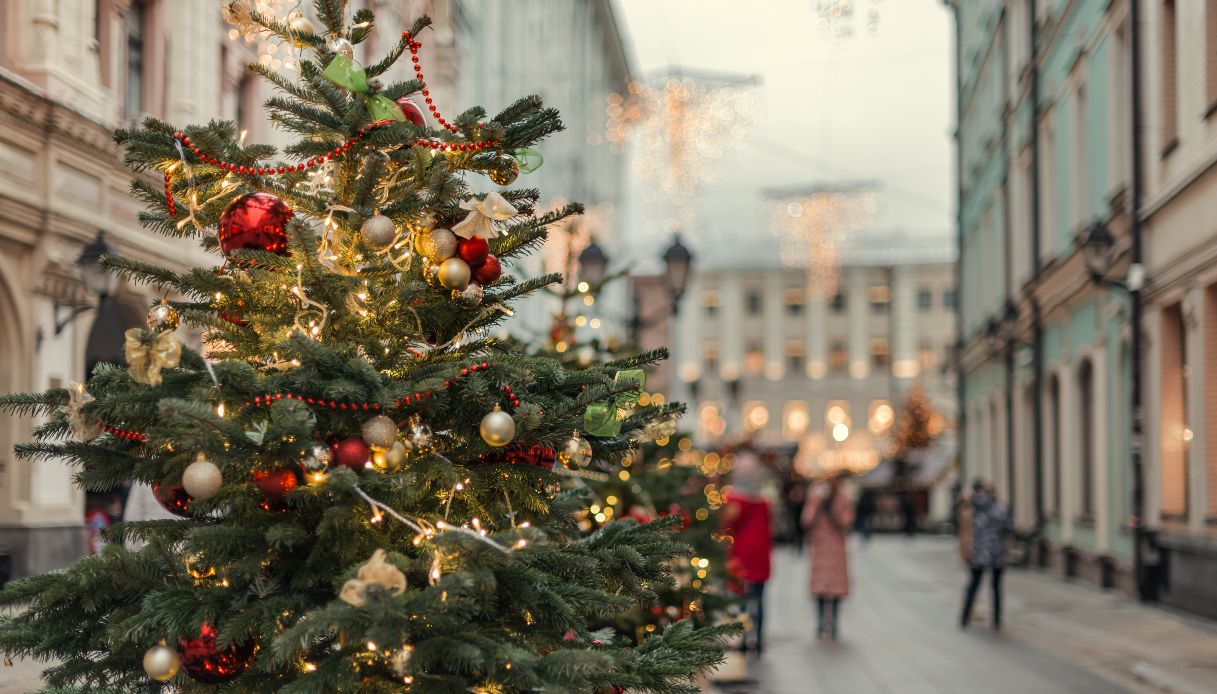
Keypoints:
pixel 757 352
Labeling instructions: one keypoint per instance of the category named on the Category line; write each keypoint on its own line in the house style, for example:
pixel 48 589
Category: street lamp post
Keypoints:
pixel 97 280
pixel 1098 251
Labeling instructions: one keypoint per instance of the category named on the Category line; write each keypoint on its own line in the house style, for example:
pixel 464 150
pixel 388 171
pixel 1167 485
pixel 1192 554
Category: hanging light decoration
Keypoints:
pixel 811 226
pixel 682 126
pixel 839 18
pixel 272 51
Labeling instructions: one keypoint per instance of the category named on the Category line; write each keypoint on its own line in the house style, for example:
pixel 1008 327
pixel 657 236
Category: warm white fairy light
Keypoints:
pixel 811 227
pixel 682 126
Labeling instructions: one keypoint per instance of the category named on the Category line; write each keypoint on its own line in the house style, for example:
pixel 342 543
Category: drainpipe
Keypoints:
pixel 1008 279
pixel 1037 328
pixel 960 384
pixel 1145 591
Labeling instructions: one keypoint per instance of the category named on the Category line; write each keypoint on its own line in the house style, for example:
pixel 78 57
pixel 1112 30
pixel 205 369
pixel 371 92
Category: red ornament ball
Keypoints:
pixel 173 498
pixel 351 452
pixel 210 665
pixel 257 221
pixel 413 113
pixel 275 484
pixel 473 251
pixel 488 272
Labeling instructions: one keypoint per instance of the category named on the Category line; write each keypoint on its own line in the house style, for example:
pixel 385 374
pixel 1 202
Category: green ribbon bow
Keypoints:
pixel 603 418
pixel 350 75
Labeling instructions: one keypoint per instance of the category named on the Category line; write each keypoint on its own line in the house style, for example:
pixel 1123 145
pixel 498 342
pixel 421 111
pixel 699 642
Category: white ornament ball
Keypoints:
pixel 454 274
pixel 316 458
pixel 378 231
pixel 471 295
pixel 498 428
pixel 202 479
pixel 161 663
pixel 437 245
pixel 379 432
pixel 301 25
pixel 342 46
pixel 576 452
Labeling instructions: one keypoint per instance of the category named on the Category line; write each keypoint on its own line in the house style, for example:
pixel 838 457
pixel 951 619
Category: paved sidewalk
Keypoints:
pixel 899 633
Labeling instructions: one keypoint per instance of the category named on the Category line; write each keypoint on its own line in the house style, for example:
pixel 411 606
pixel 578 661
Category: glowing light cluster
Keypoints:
pixel 272 51
pixel 811 228
pixel 837 18
pixel 683 126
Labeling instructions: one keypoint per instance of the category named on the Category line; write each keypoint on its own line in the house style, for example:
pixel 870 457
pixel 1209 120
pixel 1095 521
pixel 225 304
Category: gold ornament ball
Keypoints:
pixel 378 231
pixel 162 316
pixel 161 663
pixel 576 452
pixel 342 46
pixel 454 274
pixel 301 25
pixel 202 479
pixel 498 428
pixel 506 170
pixel 396 456
pixel 379 432
pixel 437 245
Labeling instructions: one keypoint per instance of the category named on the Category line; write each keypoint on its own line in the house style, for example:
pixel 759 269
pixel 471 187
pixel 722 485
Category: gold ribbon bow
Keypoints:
pixel 482 216
pixel 376 571
pixel 83 428
pixel 148 353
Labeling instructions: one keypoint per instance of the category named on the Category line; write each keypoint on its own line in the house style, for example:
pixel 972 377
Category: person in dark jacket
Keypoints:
pixel 984 527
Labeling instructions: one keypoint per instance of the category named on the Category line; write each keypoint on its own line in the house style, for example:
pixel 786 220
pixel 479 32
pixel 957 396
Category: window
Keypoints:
pixel 881 416
pixel 838 303
pixel 1169 77
pixel 710 300
pixel 247 101
pixel 927 356
pixel 1175 433
pixel 135 28
pixel 794 299
pixel 754 358
pixel 948 299
pixel 880 353
pixel 756 415
pixel 709 355
pixel 838 358
pixel 925 300
pixel 1054 442
pixel 794 356
pixel 880 296
pixel 1086 429
pixel 1080 168
pixel 753 302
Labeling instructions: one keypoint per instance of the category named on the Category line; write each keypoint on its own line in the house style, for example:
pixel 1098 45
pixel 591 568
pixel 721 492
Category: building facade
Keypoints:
pixel 1044 151
pixel 72 72
pixel 758 353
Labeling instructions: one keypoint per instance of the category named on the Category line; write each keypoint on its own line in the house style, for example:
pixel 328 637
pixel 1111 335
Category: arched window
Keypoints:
pixel 1053 431
pixel 1086 432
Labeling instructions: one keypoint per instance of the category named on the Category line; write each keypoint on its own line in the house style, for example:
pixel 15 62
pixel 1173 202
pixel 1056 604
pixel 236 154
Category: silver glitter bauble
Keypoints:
pixel 379 432
pixel 202 479
pixel 378 231
pixel 162 316
pixel 437 245
pixel 301 25
pixel 342 47
pixel 470 296
pixel 316 458
pixel 161 662
pixel 576 452
pixel 498 428
pixel 454 274
pixel 421 437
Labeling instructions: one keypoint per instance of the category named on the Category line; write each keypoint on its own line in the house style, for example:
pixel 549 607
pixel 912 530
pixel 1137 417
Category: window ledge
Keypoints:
pixel 1208 112
pixel 1170 146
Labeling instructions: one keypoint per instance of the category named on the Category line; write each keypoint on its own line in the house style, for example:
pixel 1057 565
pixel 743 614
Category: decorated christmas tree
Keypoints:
pixel 915 428
pixel 367 483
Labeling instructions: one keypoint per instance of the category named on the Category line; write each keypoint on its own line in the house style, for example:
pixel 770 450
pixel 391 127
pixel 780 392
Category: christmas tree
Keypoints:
pixel 366 481
pixel 915 429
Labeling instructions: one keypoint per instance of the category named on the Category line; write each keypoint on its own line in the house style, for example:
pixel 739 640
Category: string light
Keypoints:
pixel 812 226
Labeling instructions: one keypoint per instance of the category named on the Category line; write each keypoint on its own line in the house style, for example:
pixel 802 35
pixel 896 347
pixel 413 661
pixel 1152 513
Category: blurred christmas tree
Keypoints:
pixel 364 478
pixel 914 428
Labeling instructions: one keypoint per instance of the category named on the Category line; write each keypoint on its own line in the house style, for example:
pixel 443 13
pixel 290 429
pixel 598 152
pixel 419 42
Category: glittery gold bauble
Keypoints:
pixel 161 663
pixel 378 231
pixel 454 274
pixel 498 428
pixel 506 170
pixel 301 25
pixel 576 452
pixel 379 432
pixel 162 316
pixel 437 245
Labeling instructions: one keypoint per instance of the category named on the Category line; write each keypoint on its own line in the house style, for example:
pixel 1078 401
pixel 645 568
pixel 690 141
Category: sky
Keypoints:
pixel 875 106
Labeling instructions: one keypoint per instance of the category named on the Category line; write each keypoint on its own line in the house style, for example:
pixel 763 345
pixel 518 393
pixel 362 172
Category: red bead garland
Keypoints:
pixel 274 170
pixel 414 44
pixel 169 203
pixel 122 433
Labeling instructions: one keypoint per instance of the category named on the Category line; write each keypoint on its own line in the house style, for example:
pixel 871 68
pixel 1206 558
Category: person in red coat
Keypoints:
pixel 745 518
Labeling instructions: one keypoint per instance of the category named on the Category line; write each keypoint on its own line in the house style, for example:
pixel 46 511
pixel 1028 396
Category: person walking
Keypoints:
pixel 745 517
pixel 828 517
pixel 865 514
pixel 984 525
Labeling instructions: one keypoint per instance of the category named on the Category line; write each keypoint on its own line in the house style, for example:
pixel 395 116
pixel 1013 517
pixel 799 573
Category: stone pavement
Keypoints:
pixel 899 633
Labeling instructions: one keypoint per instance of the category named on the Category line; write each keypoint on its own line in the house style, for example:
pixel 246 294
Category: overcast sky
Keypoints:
pixel 875 106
